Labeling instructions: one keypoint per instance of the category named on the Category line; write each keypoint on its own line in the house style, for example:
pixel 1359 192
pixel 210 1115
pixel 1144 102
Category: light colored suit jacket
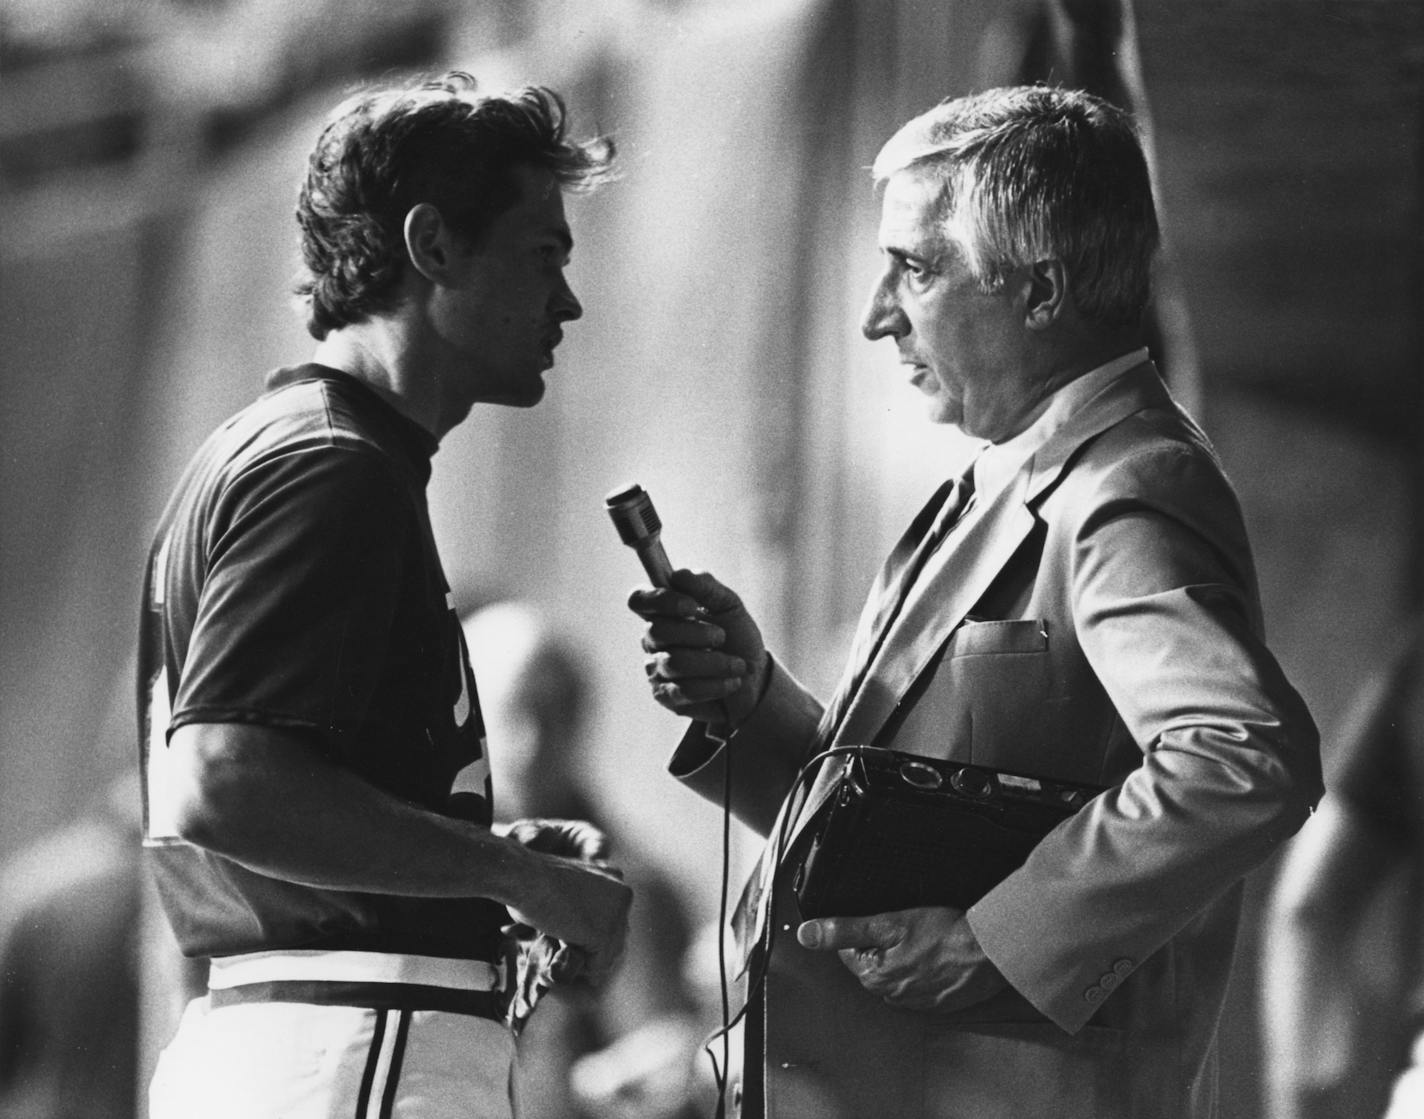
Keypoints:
pixel 1097 622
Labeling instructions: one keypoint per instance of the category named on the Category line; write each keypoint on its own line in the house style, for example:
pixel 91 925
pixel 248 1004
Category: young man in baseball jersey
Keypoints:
pixel 306 694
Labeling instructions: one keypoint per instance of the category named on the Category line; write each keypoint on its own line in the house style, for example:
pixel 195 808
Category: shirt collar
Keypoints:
pixel 420 443
pixel 998 462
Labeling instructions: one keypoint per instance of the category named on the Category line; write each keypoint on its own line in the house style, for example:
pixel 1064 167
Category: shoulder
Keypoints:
pixel 315 423
pixel 1157 456
pixel 1150 492
pixel 305 452
pixel 313 414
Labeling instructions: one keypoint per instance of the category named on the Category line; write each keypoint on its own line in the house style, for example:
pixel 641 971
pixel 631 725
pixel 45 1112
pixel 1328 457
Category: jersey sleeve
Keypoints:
pixel 299 577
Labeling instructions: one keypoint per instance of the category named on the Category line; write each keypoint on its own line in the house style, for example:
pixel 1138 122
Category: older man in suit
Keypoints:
pixel 1081 607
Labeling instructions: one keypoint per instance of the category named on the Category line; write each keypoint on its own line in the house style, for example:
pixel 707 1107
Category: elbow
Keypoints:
pixel 1304 784
pixel 197 820
pixel 208 789
pixel 1294 789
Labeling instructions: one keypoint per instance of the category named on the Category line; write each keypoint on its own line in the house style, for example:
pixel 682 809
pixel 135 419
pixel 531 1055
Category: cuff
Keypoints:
pixel 1010 945
pixel 768 748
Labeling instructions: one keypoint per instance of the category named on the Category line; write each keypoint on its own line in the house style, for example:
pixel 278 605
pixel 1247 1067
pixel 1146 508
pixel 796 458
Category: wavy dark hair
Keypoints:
pixel 436 140
pixel 1031 173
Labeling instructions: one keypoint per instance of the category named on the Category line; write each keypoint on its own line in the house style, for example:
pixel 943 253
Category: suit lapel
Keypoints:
pixel 953 580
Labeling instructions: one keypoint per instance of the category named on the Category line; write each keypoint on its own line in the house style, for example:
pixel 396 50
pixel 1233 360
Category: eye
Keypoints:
pixel 918 274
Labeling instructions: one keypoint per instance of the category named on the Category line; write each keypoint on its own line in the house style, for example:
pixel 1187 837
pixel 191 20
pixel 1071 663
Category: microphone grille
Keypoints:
pixel 633 514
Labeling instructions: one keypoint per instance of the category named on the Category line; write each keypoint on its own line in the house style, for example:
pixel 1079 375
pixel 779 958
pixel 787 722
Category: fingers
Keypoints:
pixel 714 596
pixel 693 681
pixel 682 633
pixel 674 666
pixel 574 839
pixel 689 594
pixel 569 964
pixel 664 602
pixel 880 931
pixel 925 958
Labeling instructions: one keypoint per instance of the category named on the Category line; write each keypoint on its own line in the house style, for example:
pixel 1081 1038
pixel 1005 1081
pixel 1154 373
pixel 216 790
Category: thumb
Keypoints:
pixel 716 597
pixel 832 933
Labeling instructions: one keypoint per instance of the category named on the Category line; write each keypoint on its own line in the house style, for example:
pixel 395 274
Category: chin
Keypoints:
pixel 943 412
pixel 524 395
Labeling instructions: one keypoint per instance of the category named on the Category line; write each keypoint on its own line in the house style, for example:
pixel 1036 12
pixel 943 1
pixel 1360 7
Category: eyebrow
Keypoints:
pixel 905 257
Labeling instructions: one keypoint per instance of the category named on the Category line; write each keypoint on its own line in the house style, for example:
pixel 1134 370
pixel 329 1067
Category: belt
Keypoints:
pixel 378 980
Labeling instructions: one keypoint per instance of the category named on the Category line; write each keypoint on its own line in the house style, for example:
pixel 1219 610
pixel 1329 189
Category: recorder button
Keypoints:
pixel 972 783
pixel 920 775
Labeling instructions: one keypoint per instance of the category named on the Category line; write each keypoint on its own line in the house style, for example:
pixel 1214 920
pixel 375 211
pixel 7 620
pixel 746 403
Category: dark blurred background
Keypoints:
pixel 149 155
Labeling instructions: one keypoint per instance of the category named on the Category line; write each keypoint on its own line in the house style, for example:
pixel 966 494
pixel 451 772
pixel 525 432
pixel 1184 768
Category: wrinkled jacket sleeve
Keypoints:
pixel 1163 604
pixel 766 752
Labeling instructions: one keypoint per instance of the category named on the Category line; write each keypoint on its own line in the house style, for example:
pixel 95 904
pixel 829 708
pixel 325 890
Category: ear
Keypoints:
pixel 1045 293
pixel 429 242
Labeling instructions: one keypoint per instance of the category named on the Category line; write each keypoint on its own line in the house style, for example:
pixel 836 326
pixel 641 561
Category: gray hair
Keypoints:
pixel 1031 173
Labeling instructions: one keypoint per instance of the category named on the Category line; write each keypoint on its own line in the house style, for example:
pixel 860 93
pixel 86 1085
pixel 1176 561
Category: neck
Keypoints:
pixel 379 354
pixel 1071 357
pixel 1060 359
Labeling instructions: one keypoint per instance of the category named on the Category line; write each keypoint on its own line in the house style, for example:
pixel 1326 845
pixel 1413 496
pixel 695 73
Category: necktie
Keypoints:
pixel 926 532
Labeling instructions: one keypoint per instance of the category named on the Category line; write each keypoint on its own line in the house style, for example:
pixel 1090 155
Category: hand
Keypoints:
pixel 706 658
pixel 574 839
pixel 918 959
pixel 582 904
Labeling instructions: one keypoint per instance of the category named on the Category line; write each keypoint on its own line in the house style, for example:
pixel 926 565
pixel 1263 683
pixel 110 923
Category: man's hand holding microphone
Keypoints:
pixel 706 659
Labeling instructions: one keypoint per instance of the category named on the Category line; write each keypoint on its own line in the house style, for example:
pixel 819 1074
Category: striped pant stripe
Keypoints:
pixel 381 1077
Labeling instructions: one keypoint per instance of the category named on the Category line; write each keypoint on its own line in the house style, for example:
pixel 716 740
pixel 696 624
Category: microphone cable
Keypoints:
pixel 757 976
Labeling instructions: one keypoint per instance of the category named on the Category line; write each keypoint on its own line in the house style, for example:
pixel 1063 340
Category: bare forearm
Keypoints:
pixel 284 811
pixel 269 801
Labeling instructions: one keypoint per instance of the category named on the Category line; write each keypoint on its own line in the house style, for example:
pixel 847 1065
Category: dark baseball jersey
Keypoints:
pixel 294 583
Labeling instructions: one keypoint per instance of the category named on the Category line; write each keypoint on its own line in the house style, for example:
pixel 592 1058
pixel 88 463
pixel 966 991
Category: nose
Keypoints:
pixel 565 304
pixel 883 317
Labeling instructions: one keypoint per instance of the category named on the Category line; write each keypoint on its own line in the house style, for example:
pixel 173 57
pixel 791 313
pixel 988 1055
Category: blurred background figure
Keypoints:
pixel 1341 958
pixel 631 1049
pixel 69 986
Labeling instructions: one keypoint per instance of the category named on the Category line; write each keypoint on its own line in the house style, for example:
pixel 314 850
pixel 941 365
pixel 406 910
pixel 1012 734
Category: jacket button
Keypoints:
pixel 1122 968
pixel 1093 994
pixel 1109 981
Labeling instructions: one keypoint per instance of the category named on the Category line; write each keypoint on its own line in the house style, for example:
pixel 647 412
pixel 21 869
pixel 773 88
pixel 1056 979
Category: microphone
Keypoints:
pixel 640 528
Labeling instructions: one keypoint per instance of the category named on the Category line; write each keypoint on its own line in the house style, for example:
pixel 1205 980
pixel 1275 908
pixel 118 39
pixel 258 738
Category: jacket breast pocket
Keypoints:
pixel 1000 674
pixel 1015 637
